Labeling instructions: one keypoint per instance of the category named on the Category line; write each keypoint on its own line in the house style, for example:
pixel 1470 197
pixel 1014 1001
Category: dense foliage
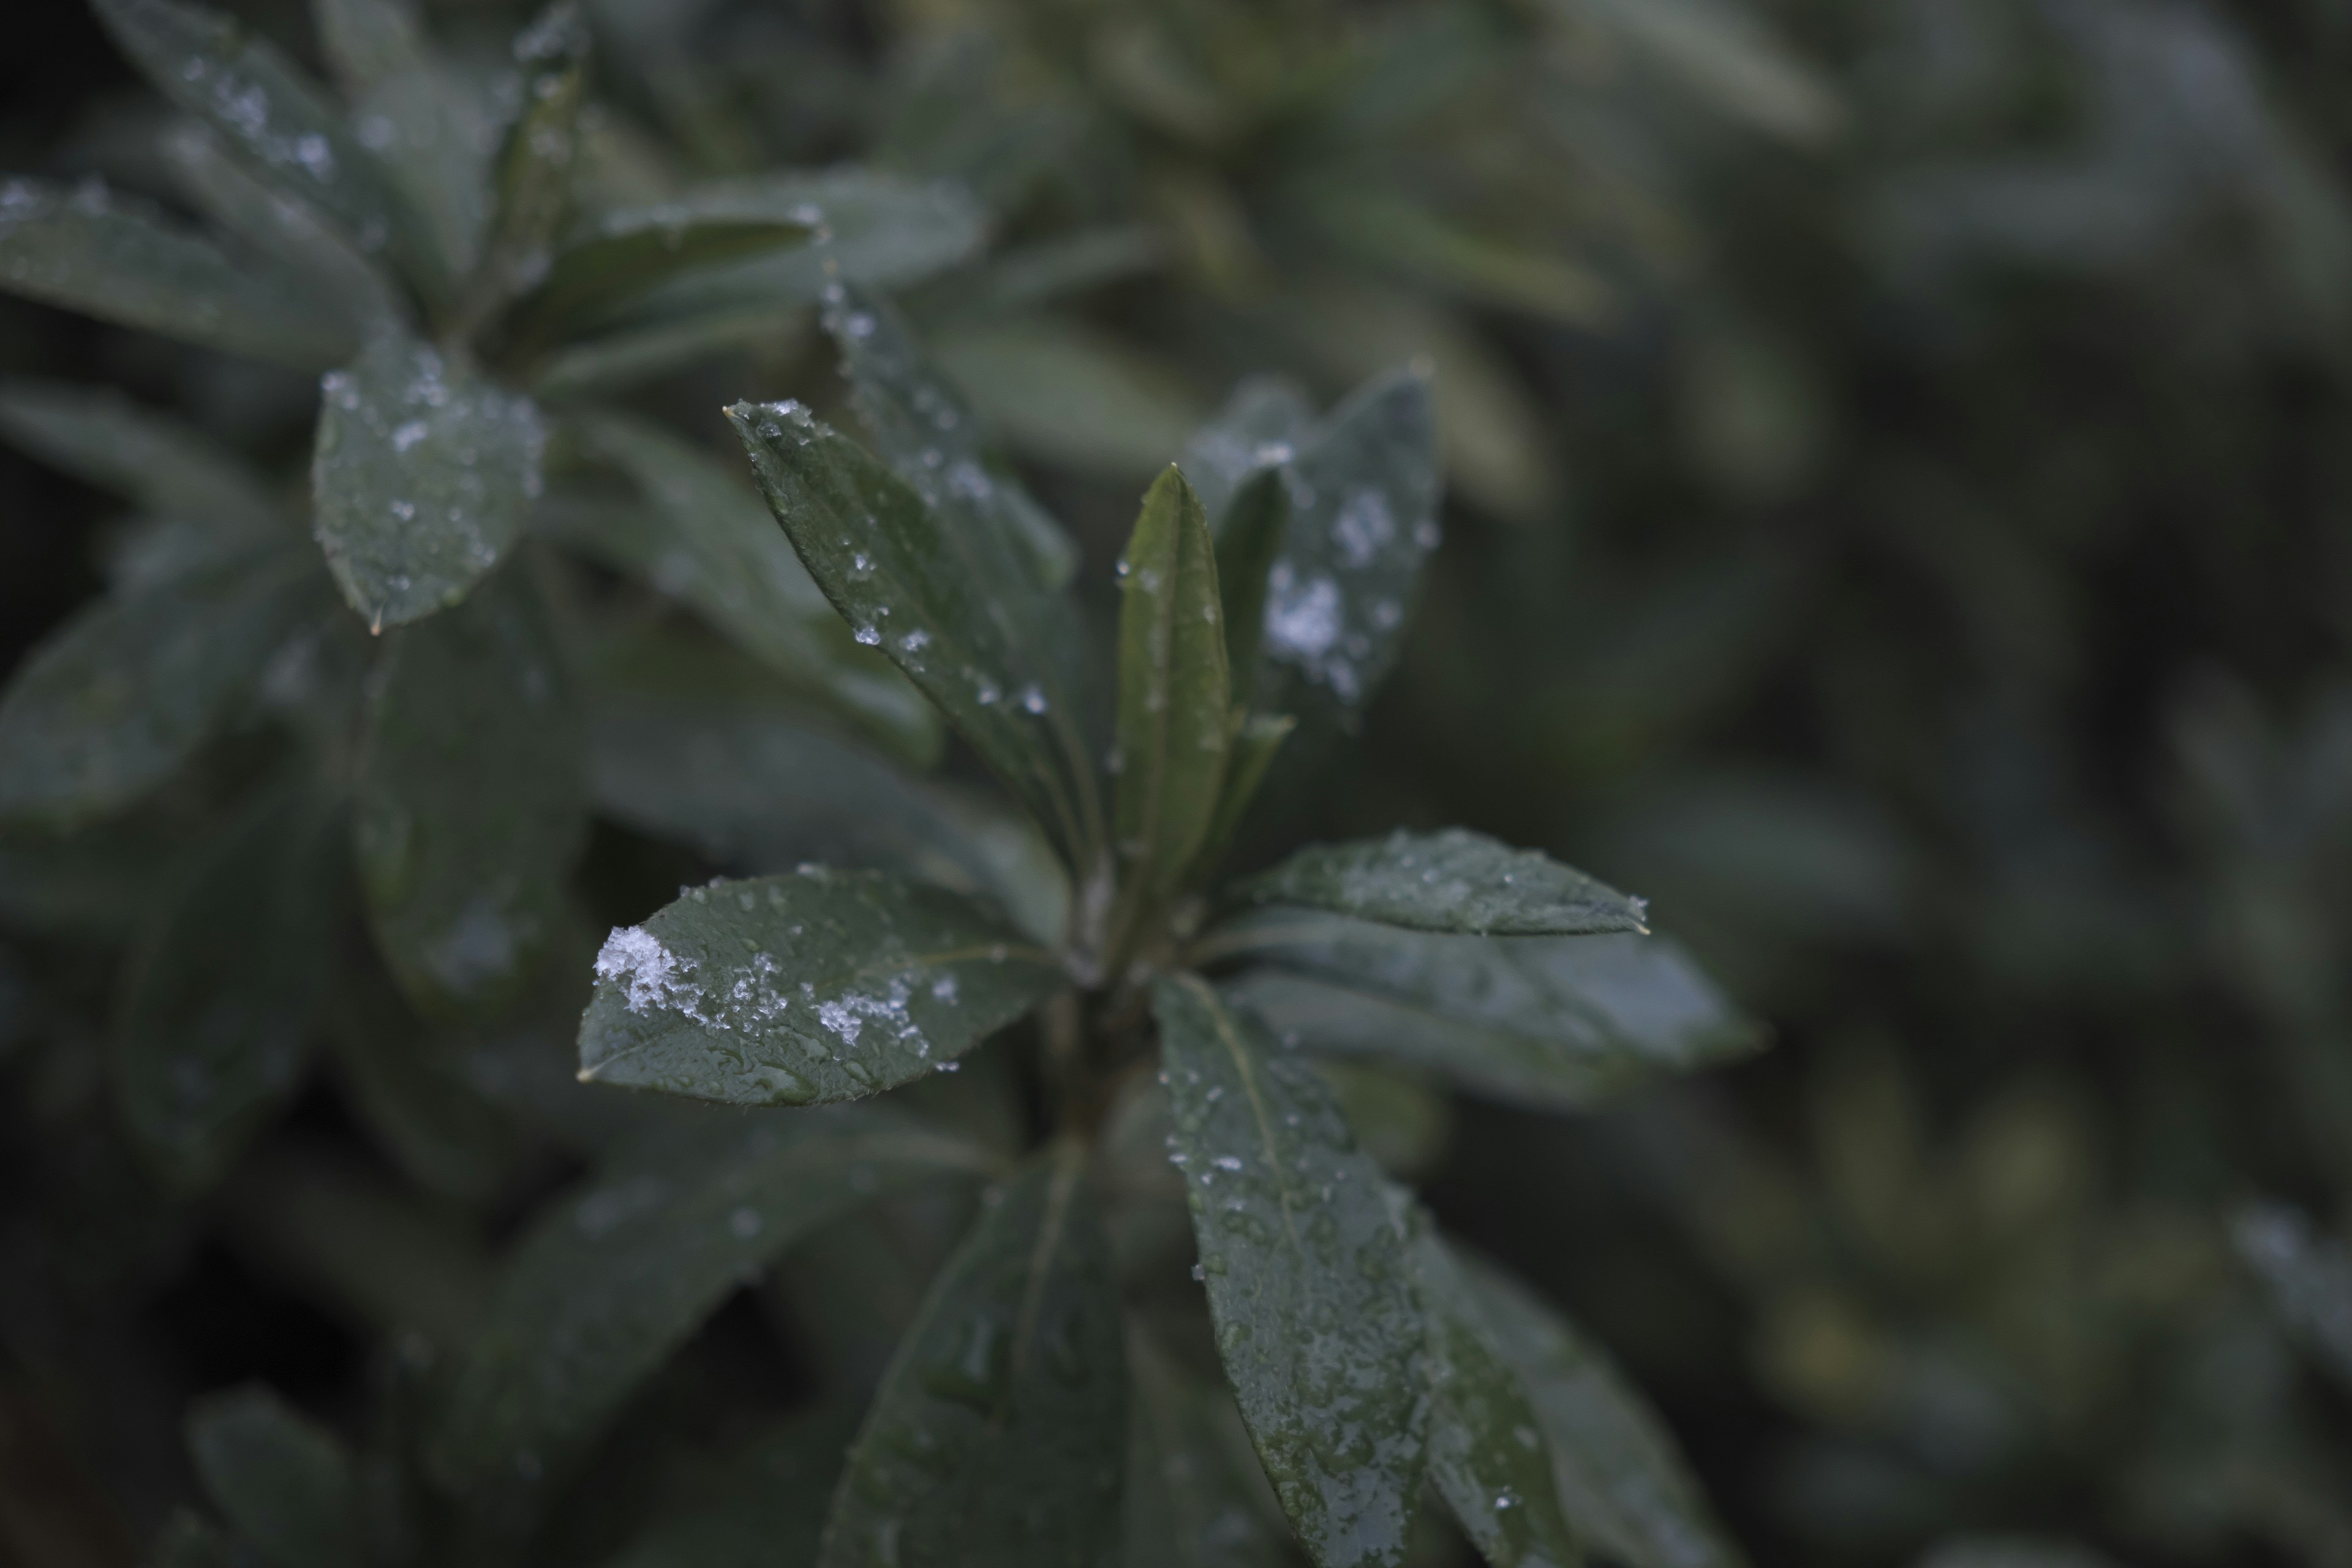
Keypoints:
pixel 1889 517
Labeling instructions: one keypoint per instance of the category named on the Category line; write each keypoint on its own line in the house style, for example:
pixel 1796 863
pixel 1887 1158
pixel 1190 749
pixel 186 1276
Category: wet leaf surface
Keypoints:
pixel 1455 880
pixel 1175 701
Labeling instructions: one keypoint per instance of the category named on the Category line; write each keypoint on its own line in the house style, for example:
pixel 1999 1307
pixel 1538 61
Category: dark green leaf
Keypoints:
pixel 282 1479
pixel 422 478
pixel 1249 542
pixel 218 998
pixel 615 1279
pixel 469 805
pixel 1453 881
pixel 90 250
pixel 710 541
pixel 2309 1277
pixel 281 233
pixel 1262 425
pixel 1174 701
pixel 1307 1277
pixel 817 986
pixel 763 1507
pixel 629 253
pixel 758 790
pixel 533 172
pixel 1488 1453
pixel 366 41
pixel 1255 746
pixel 436 129
pixel 408 1091
pixel 167 468
pixel 1188 1504
pixel 1623 1485
pixel 960 610
pixel 119 697
pixel 1552 1021
pixel 930 436
pixel 996 1436
pixel 1066 394
pixel 279 122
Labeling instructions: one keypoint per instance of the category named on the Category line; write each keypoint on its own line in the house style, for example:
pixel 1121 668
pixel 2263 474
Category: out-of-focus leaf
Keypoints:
pixel 532 175
pixel 189 1540
pixel 1455 880
pixel 470 804
pixel 284 1481
pixel 103 438
pixel 409 1092
pixel 960 610
pixel 1261 425
pixel 2011 1551
pixel 1623 1485
pixel 218 1002
pixel 764 1504
pixel 1062 394
pixel 631 252
pixel 1557 1021
pixel 1249 541
pixel 1185 1504
pixel 1175 720
pixel 1307 1277
pixel 1398 1117
pixel 92 251
pixel 996 1436
pixel 2309 1277
pixel 126 691
pixel 758 790
pixel 367 41
pixel 812 987
pixel 437 131
pixel 1254 746
pixel 1389 232
pixel 616 1278
pixel 711 543
pixel 1724 54
pixel 1488 1456
pixel 262 105
pixel 930 436
pixel 422 477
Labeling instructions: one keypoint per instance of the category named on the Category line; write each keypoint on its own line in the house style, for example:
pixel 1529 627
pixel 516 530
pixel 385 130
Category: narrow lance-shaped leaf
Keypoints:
pixel 995 1440
pixel 470 804
pixel 930 436
pixel 1174 702
pixel 1188 1504
pixel 763 1505
pixel 1306 1279
pixel 1247 545
pixel 1255 746
pixel 167 468
pixel 365 41
pixel 1623 1485
pixel 1546 1021
pixel 90 251
pixel 122 696
pixel 958 610
pixel 628 254
pixel 1455 880
pixel 422 477
pixel 817 986
pixel 279 121
pixel 285 1483
pixel 1488 1453
pixel 614 1279
pixel 217 1003
pixel 436 129
pixel 710 541
pixel 532 175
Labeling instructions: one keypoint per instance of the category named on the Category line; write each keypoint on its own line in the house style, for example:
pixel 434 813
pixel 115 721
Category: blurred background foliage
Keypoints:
pixel 1900 521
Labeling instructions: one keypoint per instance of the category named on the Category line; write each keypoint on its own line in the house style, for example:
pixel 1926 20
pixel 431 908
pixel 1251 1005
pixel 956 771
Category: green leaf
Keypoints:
pixel 219 993
pixel 1453 881
pixel 152 459
pixel 121 697
pixel 710 541
pixel 90 251
pixel 931 438
pixel 532 174
pixel 1306 1279
pixel 817 986
pixel 437 129
pixel 1175 701
pixel 959 610
pixel 764 1505
pixel 407 1089
pixel 1262 425
pixel 1255 744
pixel 1488 1454
pixel 1188 1504
pixel 284 1481
pixel 368 41
pixel 1623 1485
pixel 1559 1022
pixel 996 1436
pixel 279 120
pixel 2308 1276
pixel 422 478
pixel 283 234
pixel 629 254
pixel 1249 542
pixel 761 790
pixel 470 804
pixel 1067 395
pixel 612 1281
